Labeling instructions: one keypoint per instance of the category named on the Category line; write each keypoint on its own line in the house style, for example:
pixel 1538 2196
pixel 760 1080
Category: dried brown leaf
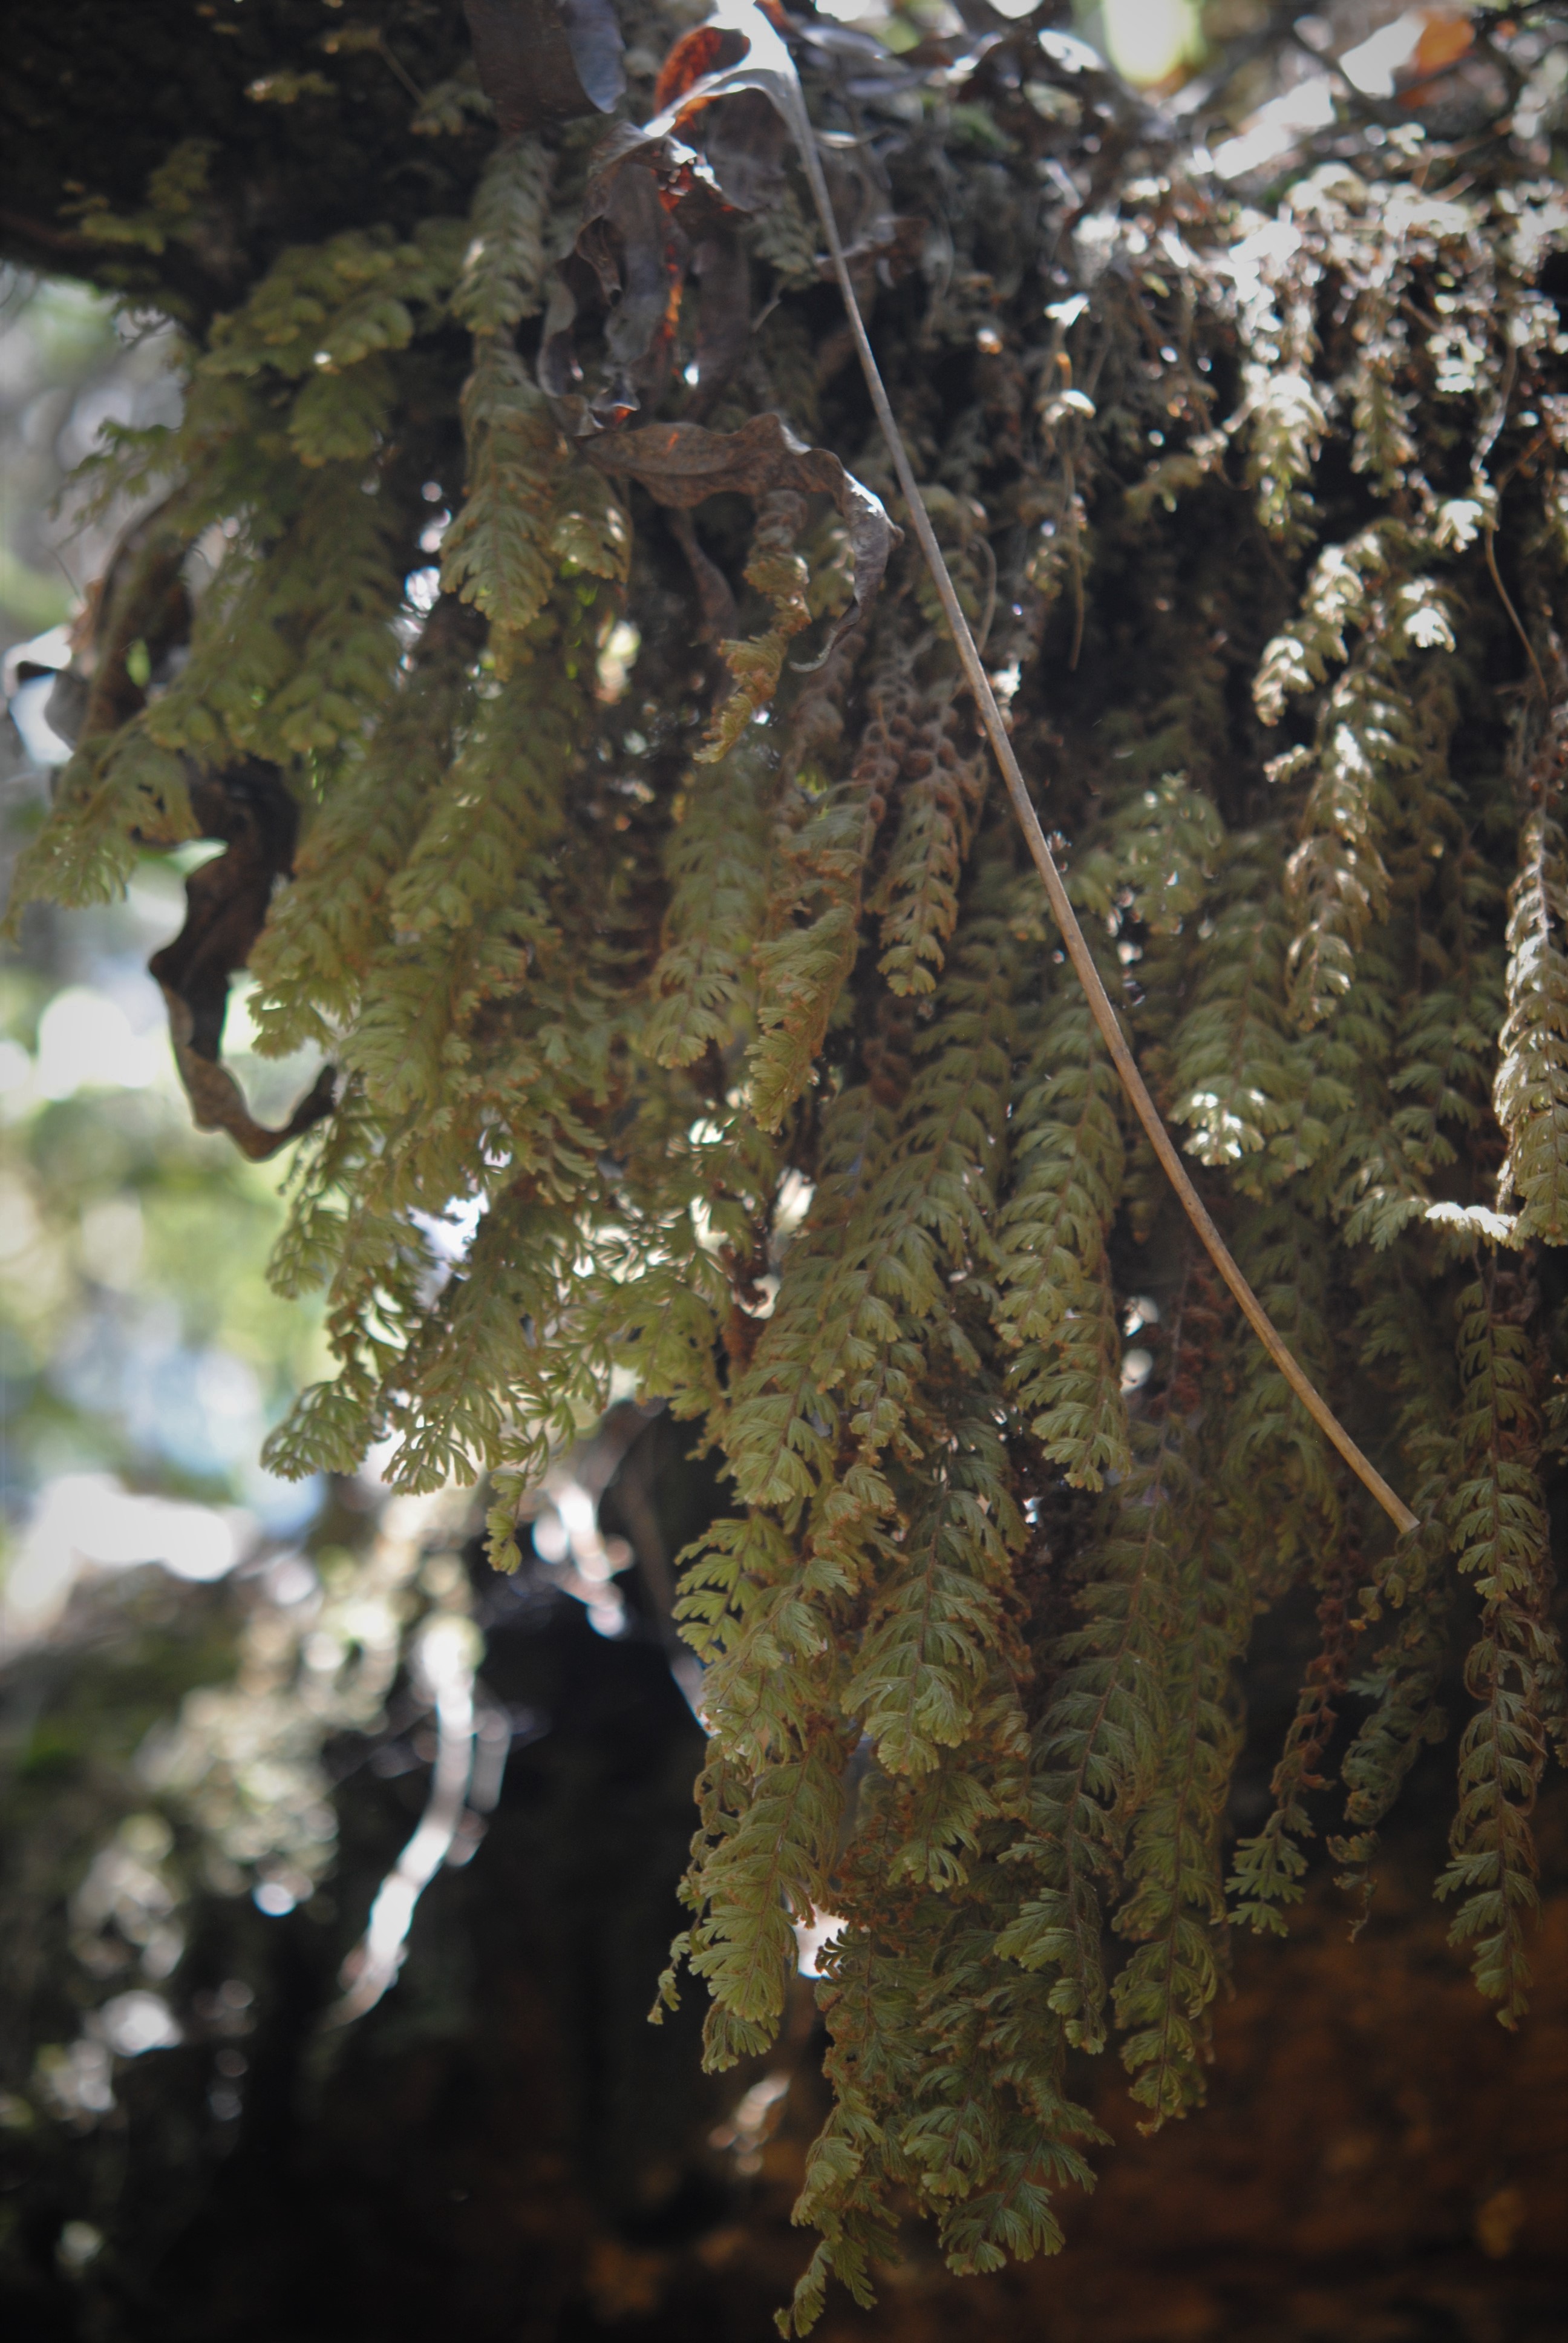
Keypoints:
pixel 227 904
pixel 544 61
pixel 680 464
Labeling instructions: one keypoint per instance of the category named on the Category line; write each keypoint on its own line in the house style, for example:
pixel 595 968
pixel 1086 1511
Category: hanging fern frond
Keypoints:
pixel 702 1033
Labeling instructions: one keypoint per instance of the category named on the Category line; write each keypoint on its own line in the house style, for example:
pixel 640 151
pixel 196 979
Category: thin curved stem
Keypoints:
pixel 1072 936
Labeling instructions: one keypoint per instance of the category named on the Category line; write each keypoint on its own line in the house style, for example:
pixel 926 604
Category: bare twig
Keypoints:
pixel 389 57
pixel 1489 540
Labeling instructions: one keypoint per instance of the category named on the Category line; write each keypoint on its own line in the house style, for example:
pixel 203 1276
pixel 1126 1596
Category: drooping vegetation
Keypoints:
pixel 655 897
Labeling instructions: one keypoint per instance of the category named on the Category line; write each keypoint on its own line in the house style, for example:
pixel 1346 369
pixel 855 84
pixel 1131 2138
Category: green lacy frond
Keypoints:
pixel 1175 1901
pixel 778 573
pixel 1056 1309
pixel 1497 1521
pixel 119 793
pixel 944 782
pixel 823 845
pixel 1531 1087
pixel 530 508
pixel 700 1029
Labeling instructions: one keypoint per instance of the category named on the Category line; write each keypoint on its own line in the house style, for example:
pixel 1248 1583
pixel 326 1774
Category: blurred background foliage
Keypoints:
pixel 139 1334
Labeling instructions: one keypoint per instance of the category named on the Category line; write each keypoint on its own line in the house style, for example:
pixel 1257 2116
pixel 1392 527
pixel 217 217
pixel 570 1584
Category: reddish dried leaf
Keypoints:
pixel 1444 39
pixel 707 49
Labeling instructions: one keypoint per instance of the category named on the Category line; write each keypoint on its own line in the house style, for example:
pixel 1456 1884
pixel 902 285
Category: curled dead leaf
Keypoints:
pixel 631 260
pixel 227 904
pixel 137 614
pixel 664 205
pixel 680 464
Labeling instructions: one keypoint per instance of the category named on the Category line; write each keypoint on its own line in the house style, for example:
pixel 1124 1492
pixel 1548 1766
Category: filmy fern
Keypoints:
pixel 697 1022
